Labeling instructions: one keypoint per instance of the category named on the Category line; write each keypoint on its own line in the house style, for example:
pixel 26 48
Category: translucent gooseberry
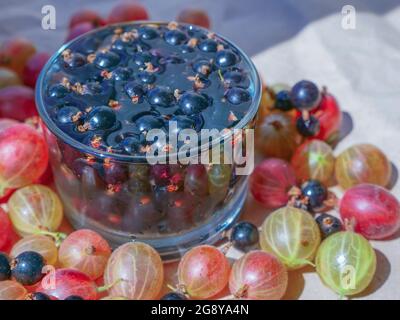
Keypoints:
pixel 35 209
pixel 292 235
pixel 86 251
pixel 276 136
pixel 8 78
pixel 6 123
pixel 15 52
pixel 372 210
pixel 346 263
pixel 258 275
pixel 195 17
pixel 5 228
pixel 63 283
pixel 362 163
pixel 12 290
pixel 135 271
pixel 127 12
pixel 271 181
pixel 314 160
pixel 43 245
pixel 203 272
pixel 23 157
pixel 17 102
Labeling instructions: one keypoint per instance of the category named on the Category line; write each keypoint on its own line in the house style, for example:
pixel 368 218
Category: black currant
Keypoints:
pixel 174 296
pixel 37 296
pixel 175 37
pixel 305 95
pixel 244 236
pixel 161 97
pixel 74 298
pixel 309 127
pixel 315 192
pixel 5 269
pixel 225 58
pixel 282 101
pixel 27 268
pixel 328 224
pixel 101 118
pixel 238 95
pixel 191 103
pixel 106 59
pixel 208 45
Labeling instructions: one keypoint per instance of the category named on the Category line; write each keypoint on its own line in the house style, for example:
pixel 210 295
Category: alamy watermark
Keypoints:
pixel 349 19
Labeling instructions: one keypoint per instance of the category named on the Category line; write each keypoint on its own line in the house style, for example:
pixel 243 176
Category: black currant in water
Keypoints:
pixel 328 224
pixel 5 269
pixel 316 193
pixel 27 268
pixel 244 236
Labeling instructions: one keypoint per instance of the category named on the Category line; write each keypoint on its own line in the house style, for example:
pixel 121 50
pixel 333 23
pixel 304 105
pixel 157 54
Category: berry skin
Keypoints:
pixel 149 122
pixel 86 16
pixel 208 45
pixel 146 77
pixel 305 95
pixel 203 67
pixel 27 268
pixel 65 114
pixel 131 145
pixel 175 37
pixel 191 103
pixel 134 91
pixel 328 224
pixel 244 236
pixel 74 298
pixel 58 91
pixel 101 118
pixel 225 58
pixel 309 127
pixel 5 269
pixel 148 33
pixel 37 296
pixel 161 97
pixel 174 296
pixel 106 59
pixel 282 101
pixel 237 95
pixel 194 17
pixel 315 192
pixel 77 60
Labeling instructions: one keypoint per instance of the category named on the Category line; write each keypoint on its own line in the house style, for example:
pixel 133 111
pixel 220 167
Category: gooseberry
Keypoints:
pixel 12 290
pixel 17 102
pixel 15 52
pixel 373 211
pixel 5 228
pixel 292 235
pixel 259 276
pixel 194 17
pixel 33 67
pixel 43 245
pixel 128 11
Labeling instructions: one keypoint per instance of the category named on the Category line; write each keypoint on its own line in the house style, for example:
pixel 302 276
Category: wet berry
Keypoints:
pixel 106 59
pixel 175 37
pixel 101 118
pixel 328 224
pixel 161 97
pixel 244 236
pixel 208 45
pixel 134 91
pixel 37 296
pixel 191 103
pixel 66 114
pixel 225 58
pixel 149 122
pixel 27 268
pixel 237 95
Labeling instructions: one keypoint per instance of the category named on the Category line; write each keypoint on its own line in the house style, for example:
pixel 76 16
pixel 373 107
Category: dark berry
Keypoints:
pixel 134 91
pixel 148 122
pixel 191 103
pixel 141 58
pixel 58 91
pixel 182 122
pixel 244 236
pixel 208 45
pixel 106 59
pixel 146 77
pixel 236 78
pixel 5 269
pixel 74 298
pixel 66 114
pixel 186 49
pixel 305 95
pixel 237 95
pixel 148 33
pixel 37 296
pixel 175 37
pixel 309 127
pixel 315 192
pixel 76 60
pixel 121 73
pixel 92 88
pixel 101 118
pixel 131 145
pixel 27 268
pixel 282 101
pixel 174 296
pixel 161 97
pixel 328 224
pixel 225 58
pixel 203 67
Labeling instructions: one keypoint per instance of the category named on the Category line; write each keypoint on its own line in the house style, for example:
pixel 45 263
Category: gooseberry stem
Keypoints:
pixel 57 236
pixel 107 287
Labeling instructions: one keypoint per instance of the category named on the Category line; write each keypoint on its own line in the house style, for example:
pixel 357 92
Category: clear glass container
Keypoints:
pixel 172 207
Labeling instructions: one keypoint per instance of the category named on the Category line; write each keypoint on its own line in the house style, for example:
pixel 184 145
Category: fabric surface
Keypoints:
pixel 290 40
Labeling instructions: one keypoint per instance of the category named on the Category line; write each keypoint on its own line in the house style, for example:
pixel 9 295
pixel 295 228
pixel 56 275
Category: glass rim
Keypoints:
pixel 52 126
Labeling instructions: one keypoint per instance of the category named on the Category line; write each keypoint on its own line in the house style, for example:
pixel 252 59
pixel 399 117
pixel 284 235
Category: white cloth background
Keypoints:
pixel 290 40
